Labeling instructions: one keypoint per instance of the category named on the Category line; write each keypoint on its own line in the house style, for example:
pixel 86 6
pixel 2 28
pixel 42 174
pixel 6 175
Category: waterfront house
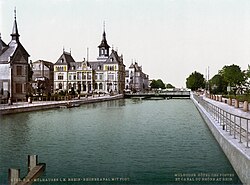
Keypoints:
pixel 13 67
pixel 136 79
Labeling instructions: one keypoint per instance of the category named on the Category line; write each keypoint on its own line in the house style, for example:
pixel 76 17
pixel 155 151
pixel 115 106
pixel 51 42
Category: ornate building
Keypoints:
pixel 106 74
pixel 13 67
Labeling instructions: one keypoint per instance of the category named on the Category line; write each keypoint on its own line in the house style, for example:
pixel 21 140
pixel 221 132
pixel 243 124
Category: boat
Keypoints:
pixel 70 105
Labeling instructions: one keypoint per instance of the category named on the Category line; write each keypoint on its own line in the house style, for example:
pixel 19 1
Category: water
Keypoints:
pixel 141 142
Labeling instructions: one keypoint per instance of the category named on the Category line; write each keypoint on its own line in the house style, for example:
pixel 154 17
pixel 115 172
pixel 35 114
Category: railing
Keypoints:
pixel 237 126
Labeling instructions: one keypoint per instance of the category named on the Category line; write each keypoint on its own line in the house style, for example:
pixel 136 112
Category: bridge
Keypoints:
pixel 163 95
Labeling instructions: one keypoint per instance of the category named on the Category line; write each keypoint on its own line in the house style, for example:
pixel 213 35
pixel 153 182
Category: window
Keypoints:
pixel 100 86
pixel 89 75
pixel 60 85
pixel 74 77
pixel 84 86
pixel 84 76
pixel 19 70
pixel 100 76
pixel 110 77
pixel 96 76
pixel 19 88
pixel 96 86
pixel 60 77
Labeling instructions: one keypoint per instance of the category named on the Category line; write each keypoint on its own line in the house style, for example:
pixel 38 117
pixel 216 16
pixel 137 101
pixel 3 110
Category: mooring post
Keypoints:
pixel 236 103
pixel 245 106
pixel 32 162
pixel 14 176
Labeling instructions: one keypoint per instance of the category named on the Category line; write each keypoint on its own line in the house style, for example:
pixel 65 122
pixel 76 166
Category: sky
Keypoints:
pixel 170 39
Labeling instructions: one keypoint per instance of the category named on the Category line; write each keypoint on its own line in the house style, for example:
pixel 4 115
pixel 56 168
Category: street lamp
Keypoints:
pixel 10 98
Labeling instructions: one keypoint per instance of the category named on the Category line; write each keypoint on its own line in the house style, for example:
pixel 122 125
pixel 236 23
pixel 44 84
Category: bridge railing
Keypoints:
pixel 237 126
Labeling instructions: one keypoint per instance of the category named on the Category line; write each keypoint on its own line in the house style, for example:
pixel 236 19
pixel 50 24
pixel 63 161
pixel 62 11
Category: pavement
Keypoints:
pixel 16 105
pixel 228 108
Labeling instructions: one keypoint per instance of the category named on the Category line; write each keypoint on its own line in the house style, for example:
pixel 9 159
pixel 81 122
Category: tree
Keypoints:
pixel 232 75
pixel 217 84
pixel 195 81
pixel 156 84
pixel 170 86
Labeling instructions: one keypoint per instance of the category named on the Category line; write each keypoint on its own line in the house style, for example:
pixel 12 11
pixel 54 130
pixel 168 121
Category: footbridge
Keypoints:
pixel 164 95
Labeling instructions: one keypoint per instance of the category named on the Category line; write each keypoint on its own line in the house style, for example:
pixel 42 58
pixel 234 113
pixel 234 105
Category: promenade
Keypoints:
pixel 231 128
pixel 19 107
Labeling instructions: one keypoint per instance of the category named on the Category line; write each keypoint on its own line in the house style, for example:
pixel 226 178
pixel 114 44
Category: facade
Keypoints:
pixel 13 67
pixel 136 80
pixel 43 77
pixel 105 75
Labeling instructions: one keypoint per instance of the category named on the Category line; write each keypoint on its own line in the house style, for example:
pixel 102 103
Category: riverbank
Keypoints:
pixel 231 131
pixel 20 107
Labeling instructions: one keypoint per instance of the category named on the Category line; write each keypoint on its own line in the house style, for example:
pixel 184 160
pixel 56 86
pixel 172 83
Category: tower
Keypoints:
pixel 103 47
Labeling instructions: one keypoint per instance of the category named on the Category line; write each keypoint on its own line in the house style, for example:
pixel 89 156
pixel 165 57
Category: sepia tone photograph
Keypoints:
pixel 124 92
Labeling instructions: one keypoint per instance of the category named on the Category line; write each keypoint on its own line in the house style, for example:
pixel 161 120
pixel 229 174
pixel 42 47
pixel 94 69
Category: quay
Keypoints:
pixel 35 170
pixel 43 105
pixel 231 128
pixel 164 95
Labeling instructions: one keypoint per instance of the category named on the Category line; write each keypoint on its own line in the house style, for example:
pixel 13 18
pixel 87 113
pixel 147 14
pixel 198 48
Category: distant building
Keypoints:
pixel 43 77
pixel 13 67
pixel 105 75
pixel 136 80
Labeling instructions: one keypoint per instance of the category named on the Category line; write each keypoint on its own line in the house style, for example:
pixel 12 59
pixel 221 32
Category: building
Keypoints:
pixel 70 75
pixel 104 75
pixel 43 77
pixel 13 67
pixel 136 80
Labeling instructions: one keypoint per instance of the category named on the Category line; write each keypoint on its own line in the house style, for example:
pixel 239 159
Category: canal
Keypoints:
pixel 116 142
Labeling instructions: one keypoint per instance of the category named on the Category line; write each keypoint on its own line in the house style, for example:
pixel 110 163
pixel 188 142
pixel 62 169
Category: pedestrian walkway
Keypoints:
pixel 230 126
pixel 228 108
pixel 40 105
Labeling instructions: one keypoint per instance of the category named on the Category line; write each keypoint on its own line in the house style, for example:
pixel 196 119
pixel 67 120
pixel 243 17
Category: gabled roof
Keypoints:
pixel 10 51
pixel 65 59
pixel 114 58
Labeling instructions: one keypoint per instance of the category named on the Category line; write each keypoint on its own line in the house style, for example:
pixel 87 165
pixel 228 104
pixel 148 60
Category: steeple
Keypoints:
pixel 14 34
pixel 104 47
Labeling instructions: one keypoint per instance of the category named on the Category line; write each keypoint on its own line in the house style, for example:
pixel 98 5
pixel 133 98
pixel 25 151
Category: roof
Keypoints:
pixel 46 63
pixel 65 59
pixel 104 42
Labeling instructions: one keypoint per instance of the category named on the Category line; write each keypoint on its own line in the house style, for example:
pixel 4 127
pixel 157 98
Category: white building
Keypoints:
pixel 106 74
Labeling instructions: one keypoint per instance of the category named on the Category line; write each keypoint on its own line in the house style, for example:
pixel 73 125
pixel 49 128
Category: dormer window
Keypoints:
pixel 62 60
pixel 111 59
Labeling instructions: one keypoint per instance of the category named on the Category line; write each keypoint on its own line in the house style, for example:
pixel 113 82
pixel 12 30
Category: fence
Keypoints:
pixel 237 126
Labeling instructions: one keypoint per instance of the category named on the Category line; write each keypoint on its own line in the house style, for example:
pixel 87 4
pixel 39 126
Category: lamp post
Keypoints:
pixel 10 98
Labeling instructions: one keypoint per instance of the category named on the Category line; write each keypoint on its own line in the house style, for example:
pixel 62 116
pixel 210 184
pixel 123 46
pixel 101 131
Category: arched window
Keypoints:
pixel 69 86
pixel 96 86
pixel 60 85
pixel 100 86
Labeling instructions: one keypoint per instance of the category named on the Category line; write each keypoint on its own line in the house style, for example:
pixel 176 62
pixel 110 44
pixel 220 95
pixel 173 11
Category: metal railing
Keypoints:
pixel 237 126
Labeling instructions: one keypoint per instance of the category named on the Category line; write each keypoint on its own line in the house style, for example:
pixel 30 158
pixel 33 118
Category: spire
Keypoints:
pixel 104 47
pixel 14 34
